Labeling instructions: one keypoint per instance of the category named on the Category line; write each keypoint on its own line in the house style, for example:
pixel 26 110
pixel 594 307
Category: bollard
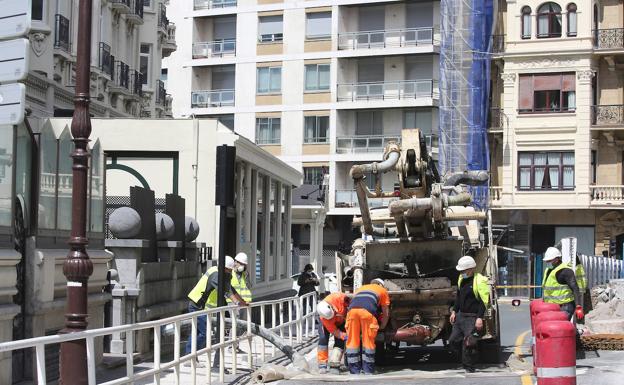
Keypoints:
pixel 556 349
pixel 545 317
pixel 536 307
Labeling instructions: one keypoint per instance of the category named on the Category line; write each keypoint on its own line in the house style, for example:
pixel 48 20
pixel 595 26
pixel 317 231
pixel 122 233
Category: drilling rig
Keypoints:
pixel 414 243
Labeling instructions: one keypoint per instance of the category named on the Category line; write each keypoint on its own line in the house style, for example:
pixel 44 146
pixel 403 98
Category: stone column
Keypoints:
pixel 509 108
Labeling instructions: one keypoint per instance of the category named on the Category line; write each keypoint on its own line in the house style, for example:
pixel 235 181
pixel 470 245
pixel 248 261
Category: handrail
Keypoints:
pixel 607 114
pixel 302 323
pixel 210 4
pixel 212 98
pixel 214 48
pixel 402 89
pixel 608 38
pixel 386 38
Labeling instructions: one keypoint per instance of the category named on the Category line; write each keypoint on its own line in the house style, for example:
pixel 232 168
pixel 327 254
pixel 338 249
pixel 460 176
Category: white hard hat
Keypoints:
pixel 379 281
pixel 551 253
pixel 325 310
pixel 241 258
pixel 466 262
pixel 229 262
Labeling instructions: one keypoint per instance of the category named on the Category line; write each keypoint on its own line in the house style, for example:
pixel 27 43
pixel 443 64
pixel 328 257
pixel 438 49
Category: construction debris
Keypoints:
pixel 608 314
pixel 603 342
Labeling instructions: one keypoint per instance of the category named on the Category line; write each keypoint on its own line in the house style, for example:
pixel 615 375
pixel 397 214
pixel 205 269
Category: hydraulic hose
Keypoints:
pixel 472 178
pixel 358 170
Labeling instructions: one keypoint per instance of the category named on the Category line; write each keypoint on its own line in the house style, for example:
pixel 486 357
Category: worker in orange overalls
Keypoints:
pixel 332 312
pixel 370 301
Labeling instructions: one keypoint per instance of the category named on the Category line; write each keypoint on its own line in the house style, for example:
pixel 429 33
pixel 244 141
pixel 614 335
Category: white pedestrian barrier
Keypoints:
pixel 599 270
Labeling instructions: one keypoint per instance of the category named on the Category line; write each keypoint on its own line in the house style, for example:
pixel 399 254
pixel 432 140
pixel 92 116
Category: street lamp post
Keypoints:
pixel 78 267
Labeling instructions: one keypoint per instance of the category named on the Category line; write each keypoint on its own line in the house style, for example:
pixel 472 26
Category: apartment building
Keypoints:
pixel 129 40
pixel 557 129
pixel 321 84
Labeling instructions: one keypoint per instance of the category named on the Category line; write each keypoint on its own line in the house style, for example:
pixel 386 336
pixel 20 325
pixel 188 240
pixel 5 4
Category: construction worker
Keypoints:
pixel 579 274
pixel 471 301
pixel 559 285
pixel 332 312
pixel 370 301
pixel 204 296
pixel 239 278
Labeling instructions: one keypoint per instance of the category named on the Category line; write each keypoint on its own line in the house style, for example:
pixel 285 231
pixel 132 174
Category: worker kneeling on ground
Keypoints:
pixel 370 301
pixel 560 286
pixel 332 312
pixel 473 296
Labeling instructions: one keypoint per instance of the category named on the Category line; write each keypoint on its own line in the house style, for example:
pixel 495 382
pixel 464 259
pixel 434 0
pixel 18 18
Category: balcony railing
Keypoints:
pixel 122 74
pixel 136 10
pixel 137 82
pixel 217 48
pixel 348 199
pixel 607 195
pixel 607 115
pixel 364 143
pixel 210 4
pixel 163 22
pixel 106 59
pixel 61 33
pixel 498 120
pixel 612 38
pixel 212 98
pixel 122 6
pixel 161 93
pixel 498 43
pixel 405 89
pixel 496 194
pixel 171 32
pixel 409 37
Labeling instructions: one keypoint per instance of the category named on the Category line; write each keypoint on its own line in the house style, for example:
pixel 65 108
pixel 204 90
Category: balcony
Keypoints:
pixel 61 33
pixel 607 115
pixel 498 44
pixel 374 143
pixel 409 37
pixel 217 48
pixel 137 83
pixel 106 60
pixel 169 45
pixel 348 199
pixel 135 15
pixel 498 121
pixel 121 77
pixel 609 39
pixel 121 6
pixel 162 22
pixel 168 105
pixel 496 195
pixel 161 93
pixel 405 89
pixel 212 4
pixel 212 98
pixel 612 195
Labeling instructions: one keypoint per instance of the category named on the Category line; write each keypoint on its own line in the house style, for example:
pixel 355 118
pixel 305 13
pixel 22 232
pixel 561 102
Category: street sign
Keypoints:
pixel 14 60
pixel 14 18
pixel 12 102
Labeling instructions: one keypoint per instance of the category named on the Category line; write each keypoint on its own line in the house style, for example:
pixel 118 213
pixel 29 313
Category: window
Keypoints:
pixel 314 175
pixel 317 77
pixel 270 29
pixel 144 63
pixel 268 130
pixel 269 80
pixel 546 170
pixel 593 166
pixel 147 3
pixel 571 19
pixel 549 21
pixel 526 22
pixel 369 122
pixel 318 25
pixel 36 10
pixel 316 129
pixel 419 118
pixel 546 93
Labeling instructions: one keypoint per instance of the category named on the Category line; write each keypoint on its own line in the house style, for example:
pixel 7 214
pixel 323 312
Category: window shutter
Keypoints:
pixel 525 100
pixel 546 82
pixel 568 83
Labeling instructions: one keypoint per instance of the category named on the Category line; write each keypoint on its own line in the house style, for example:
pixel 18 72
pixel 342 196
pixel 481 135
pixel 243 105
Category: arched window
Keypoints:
pixel 571 19
pixel 526 22
pixel 549 20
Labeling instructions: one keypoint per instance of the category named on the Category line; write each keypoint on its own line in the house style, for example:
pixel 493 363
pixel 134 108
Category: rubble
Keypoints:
pixel 608 314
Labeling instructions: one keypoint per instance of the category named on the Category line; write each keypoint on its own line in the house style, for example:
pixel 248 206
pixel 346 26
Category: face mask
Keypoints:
pixel 465 275
pixel 240 269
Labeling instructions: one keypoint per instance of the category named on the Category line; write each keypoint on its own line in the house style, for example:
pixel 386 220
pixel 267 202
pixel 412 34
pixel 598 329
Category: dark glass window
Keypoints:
pixel 549 21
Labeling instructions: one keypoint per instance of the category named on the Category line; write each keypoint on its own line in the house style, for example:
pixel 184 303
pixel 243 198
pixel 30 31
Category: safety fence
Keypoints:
pixel 599 270
pixel 293 319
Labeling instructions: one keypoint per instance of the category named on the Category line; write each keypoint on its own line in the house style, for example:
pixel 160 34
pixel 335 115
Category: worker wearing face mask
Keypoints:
pixel 471 302
pixel 239 277
pixel 560 285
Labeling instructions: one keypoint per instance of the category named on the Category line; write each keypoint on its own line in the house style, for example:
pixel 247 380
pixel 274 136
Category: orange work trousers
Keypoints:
pixel 362 328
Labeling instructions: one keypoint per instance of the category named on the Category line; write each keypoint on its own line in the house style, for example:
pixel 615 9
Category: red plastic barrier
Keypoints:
pixel 556 349
pixel 536 307
pixel 545 317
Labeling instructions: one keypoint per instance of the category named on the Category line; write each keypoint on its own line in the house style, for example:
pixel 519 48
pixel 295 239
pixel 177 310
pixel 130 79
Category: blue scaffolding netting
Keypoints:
pixel 465 53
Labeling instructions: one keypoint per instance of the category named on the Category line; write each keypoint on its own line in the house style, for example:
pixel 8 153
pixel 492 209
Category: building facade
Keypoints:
pixel 129 40
pixel 321 84
pixel 556 134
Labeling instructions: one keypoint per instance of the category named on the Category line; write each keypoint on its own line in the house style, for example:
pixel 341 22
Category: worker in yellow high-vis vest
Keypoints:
pixel 559 285
pixel 240 277
pixel 204 296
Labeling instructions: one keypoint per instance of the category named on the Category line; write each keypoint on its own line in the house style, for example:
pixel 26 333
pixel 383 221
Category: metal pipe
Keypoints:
pixel 398 207
pixel 462 199
pixel 467 216
pixel 363 202
pixel 472 178
pixel 392 158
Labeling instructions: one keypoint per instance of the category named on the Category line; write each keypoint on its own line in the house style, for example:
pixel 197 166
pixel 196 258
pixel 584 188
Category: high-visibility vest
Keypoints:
pixel 581 279
pixel 554 292
pixel 202 295
pixel 240 285
pixel 480 287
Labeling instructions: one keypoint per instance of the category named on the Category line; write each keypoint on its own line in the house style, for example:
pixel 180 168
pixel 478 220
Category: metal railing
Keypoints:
pixel 163 22
pixel 612 38
pixel 212 98
pixel 61 33
pixel 226 47
pixel 137 82
pixel 136 8
pixel 600 270
pixel 408 37
pixel 498 43
pixel 122 74
pixel 364 143
pixel 348 199
pixel 161 93
pixel 292 318
pixel 498 120
pixel 607 115
pixel 607 194
pixel 405 89
pixel 106 59
pixel 171 32
pixel 210 4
